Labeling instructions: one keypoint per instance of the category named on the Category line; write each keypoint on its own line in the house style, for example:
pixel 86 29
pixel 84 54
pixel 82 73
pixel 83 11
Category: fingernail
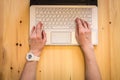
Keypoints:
pixel 76 19
pixel 34 27
pixel 39 22
pixel 79 20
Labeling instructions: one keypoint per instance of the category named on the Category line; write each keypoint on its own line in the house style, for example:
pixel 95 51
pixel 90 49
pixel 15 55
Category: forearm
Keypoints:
pixel 29 72
pixel 92 71
pixel 37 42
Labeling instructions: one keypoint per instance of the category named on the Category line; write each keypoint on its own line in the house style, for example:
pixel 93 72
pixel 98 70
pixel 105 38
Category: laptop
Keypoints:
pixel 58 18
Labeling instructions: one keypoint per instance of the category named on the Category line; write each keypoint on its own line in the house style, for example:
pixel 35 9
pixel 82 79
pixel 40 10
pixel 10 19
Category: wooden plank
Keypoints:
pixel 114 9
pixel 23 33
pixel 1 39
pixel 102 49
pixel 12 16
pixel 9 39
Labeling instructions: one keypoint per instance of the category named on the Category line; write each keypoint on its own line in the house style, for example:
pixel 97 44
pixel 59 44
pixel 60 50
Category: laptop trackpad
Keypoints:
pixel 61 37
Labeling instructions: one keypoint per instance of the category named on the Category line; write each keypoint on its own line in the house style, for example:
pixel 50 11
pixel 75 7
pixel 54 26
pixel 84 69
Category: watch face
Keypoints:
pixel 29 56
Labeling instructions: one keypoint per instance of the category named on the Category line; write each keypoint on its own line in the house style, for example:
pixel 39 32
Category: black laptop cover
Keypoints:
pixel 63 2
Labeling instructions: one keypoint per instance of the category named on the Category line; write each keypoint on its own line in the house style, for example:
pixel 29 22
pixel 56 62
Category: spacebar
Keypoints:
pixel 59 27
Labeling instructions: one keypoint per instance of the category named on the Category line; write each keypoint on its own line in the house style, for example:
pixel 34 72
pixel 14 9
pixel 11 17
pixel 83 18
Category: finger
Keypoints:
pixel 85 24
pixel 39 29
pixel 33 29
pixel 76 29
pixel 76 32
pixel 34 32
pixel 79 23
pixel 33 35
pixel 88 25
pixel 44 37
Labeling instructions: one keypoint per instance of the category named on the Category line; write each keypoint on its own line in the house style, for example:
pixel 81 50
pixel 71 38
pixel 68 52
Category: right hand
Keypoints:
pixel 83 37
pixel 83 33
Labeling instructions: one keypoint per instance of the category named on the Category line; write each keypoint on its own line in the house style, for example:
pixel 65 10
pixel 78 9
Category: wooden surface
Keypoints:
pixel 57 62
pixel 114 9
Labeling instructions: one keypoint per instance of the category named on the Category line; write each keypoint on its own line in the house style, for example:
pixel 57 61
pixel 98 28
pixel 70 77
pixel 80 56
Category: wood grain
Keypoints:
pixel 57 62
pixel 1 39
pixel 102 50
pixel 114 8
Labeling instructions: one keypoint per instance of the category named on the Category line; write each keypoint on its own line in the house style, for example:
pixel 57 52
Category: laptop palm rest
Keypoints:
pixel 61 37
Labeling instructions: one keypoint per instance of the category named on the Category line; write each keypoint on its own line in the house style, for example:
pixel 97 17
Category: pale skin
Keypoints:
pixel 83 37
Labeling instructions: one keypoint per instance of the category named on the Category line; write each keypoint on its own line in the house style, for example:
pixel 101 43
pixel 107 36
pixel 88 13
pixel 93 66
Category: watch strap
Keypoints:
pixel 31 57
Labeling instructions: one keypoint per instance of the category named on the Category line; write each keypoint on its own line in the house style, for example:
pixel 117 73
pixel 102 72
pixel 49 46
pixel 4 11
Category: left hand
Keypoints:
pixel 37 39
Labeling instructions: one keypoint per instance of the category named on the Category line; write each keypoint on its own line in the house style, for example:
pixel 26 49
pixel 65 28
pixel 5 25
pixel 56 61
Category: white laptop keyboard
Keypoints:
pixel 61 18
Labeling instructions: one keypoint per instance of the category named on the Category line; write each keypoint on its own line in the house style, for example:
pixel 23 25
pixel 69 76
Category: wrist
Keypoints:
pixel 88 46
pixel 36 53
pixel 87 49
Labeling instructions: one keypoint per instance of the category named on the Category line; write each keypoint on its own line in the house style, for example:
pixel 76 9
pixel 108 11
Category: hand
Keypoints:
pixel 83 33
pixel 37 39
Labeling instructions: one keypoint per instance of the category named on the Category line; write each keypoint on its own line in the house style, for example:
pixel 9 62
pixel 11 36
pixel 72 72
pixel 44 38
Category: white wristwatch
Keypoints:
pixel 31 57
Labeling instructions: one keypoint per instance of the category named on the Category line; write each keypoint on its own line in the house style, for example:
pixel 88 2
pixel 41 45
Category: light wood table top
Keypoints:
pixel 57 62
